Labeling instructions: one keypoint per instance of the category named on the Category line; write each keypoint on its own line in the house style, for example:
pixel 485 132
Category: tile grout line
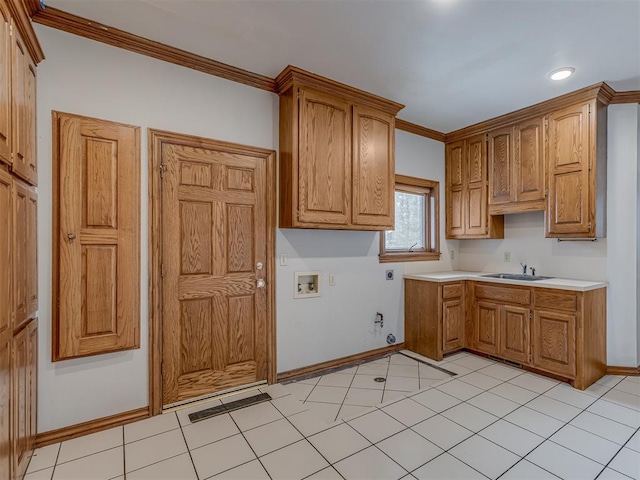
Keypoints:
pixel 193 464
pixel 124 455
pixel 619 450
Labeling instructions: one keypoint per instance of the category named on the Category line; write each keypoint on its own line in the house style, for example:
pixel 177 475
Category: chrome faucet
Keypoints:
pixel 524 268
pixel 533 271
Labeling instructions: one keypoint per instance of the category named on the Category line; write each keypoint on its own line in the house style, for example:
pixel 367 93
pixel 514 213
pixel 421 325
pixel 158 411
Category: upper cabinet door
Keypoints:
pixel 6 255
pixel 373 168
pixel 5 85
pixel 454 191
pixel 476 181
pixel 569 163
pixel 528 172
pixel 324 175
pixel 500 167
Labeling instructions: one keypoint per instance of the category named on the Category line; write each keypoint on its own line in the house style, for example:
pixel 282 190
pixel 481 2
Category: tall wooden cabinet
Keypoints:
pixel 19 53
pixel 466 191
pixel 337 164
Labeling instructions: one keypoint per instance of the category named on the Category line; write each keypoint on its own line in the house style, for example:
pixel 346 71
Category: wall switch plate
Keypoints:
pixel 283 260
pixel 388 274
pixel 507 256
pixel 332 279
pixel 452 254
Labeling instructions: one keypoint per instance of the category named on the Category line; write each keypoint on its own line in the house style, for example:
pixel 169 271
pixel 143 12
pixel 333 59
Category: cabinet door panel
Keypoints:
pixel 20 135
pixel 514 335
pixel 476 181
pixel 373 168
pixel 454 201
pixel 453 325
pixel 500 161
pixel 486 327
pixel 21 253
pixel 5 85
pixel 554 342
pixel 6 252
pixel 324 183
pixel 529 161
pixel 5 404
pixel 568 163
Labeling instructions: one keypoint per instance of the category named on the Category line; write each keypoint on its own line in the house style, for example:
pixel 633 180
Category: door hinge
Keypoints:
pixel 589 225
pixel 163 168
pixel 11 30
pixel 530 358
pixel 530 316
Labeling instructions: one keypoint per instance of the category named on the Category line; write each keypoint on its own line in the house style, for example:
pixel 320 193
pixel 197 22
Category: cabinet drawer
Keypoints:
pixel 520 296
pixel 556 300
pixel 452 291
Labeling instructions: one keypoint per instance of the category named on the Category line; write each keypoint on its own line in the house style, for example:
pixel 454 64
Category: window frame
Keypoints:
pixel 431 252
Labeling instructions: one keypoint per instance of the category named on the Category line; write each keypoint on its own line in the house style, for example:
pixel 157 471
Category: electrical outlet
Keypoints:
pixel 332 279
pixel 452 254
pixel 388 274
pixel 507 256
pixel 283 260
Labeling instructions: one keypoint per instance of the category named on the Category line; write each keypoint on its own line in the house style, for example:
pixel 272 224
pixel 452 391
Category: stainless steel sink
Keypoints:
pixel 516 276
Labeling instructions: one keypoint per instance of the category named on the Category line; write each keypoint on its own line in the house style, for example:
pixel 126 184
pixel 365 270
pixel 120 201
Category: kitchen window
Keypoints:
pixel 416 234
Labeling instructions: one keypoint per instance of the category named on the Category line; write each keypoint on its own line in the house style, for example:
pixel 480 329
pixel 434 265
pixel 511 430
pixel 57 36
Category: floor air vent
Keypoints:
pixel 228 407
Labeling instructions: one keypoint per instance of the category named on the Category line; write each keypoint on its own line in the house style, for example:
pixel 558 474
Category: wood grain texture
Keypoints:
pixel 515 337
pixel 373 168
pixel 453 321
pixel 521 296
pixel 81 429
pixel 632 96
pixel 619 370
pixel 487 327
pixel 338 362
pixel 454 189
pixel 6 338
pixel 21 19
pixel 6 255
pixel 423 318
pixel 529 164
pixel 96 236
pixel 22 245
pixel 554 342
pixel 213 347
pixel 501 163
pixel 20 136
pixel 76 25
pixel 5 84
pixel 406 126
pixel 591 341
pixel 556 299
pixel 324 175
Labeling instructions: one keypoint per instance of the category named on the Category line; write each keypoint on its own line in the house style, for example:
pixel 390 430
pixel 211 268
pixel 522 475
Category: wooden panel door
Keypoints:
pixel 455 168
pixel 6 339
pixel 486 327
pixel 21 252
pixel 529 160
pixel 514 334
pixel 373 168
pixel 324 166
pixel 24 379
pixel 453 319
pixel 476 183
pixel 5 84
pixel 553 343
pixel 31 260
pixel 501 189
pixel 214 259
pixel 20 134
pixel 569 162
pixel 30 121
pixel 97 237
pixel 6 253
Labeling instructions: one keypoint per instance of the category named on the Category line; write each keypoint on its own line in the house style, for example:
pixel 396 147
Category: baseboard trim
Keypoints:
pixel 615 370
pixel 92 426
pixel 338 362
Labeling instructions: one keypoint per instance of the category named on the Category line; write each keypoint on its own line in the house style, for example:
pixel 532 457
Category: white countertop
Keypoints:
pixel 559 283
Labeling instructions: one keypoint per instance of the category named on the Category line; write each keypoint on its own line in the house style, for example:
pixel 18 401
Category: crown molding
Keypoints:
pixel 21 13
pixel 52 17
pixel 419 130
pixel 632 96
pixel 600 91
pixel 291 76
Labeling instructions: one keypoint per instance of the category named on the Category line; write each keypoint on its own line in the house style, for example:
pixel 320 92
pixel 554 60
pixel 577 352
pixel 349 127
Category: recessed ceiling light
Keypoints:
pixel 561 73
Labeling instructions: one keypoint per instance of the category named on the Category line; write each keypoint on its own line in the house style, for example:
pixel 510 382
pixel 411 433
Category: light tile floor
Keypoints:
pixel 489 421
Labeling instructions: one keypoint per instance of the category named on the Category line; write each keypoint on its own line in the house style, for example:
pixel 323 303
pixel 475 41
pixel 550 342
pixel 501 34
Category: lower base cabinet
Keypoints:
pixel 552 331
pixel 5 405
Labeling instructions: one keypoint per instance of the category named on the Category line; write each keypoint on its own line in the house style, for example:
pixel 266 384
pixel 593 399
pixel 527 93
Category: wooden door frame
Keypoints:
pixel 156 139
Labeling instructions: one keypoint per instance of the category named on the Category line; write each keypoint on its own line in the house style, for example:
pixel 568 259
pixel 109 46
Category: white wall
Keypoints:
pixel 612 259
pixel 88 78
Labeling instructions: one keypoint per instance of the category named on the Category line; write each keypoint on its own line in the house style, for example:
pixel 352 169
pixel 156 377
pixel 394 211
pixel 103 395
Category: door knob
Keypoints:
pixel 261 283
pixel 71 236
pixel 259 265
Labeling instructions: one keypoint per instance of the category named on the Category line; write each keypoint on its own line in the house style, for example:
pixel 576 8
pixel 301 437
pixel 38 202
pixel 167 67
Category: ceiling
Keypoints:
pixel 451 62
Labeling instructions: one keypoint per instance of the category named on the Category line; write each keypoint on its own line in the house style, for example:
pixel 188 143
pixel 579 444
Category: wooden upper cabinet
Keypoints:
pixel 577 171
pixel 6 253
pixel 96 236
pixel 516 168
pixel 467 190
pixel 5 84
pixel 336 165
pixel 324 178
pixel 373 168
